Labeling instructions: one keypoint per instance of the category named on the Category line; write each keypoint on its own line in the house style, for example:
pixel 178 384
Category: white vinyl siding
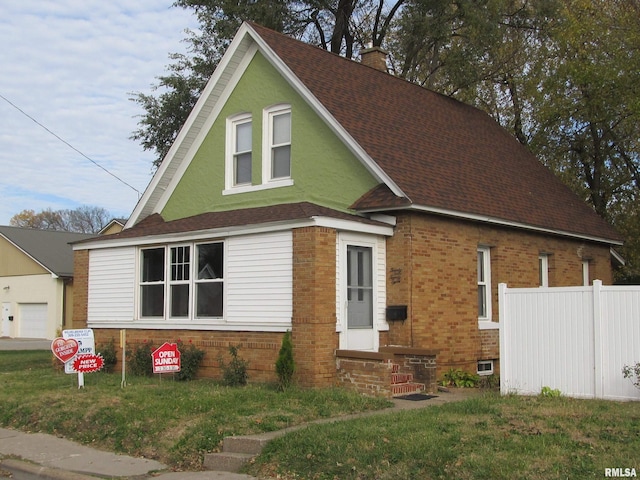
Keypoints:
pixel 112 285
pixel 259 278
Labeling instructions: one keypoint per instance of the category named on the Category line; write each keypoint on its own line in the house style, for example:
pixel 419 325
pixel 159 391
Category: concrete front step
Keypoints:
pixel 252 445
pixel 226 461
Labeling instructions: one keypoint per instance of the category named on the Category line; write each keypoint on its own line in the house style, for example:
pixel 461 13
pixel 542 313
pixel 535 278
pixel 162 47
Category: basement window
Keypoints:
pixel 485 367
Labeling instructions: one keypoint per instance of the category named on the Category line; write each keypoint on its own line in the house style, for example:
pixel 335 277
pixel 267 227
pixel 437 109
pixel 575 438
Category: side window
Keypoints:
pixel 238 149
pixel 484 284
pixel 277 143
pixel 152 282
pixel 543 269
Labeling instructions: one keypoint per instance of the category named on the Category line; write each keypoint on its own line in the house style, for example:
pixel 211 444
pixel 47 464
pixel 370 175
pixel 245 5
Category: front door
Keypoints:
pixel 360 332
pixel 6 322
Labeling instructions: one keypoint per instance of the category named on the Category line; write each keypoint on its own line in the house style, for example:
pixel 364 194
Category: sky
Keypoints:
pixel 72 65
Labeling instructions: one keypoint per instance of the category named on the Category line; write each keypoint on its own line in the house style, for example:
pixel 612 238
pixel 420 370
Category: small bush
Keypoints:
pixel 190 360
pixel 459 378
pixel 139 361
pixel 234 374
pixel 110 356
pixel 633 373
pixel 285 366
pixel 550 392
pixel 489 381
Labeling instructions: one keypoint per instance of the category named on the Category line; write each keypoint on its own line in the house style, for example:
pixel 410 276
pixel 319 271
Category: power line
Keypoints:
pixel 69 145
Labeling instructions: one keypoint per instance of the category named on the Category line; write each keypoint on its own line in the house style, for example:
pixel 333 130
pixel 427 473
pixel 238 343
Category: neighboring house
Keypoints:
pixel 36 281
pixel 114 226
pixel 312 193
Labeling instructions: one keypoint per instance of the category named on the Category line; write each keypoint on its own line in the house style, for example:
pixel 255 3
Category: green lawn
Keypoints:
pixel 487 437
pixel 173 422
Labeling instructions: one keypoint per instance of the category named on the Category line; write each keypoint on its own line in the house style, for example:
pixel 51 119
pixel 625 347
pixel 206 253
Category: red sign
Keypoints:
pixel 88 363
pixel 166 358
pixel 64 348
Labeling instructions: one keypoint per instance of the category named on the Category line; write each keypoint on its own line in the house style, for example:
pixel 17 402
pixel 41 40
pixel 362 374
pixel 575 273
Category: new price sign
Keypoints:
pixel 166 358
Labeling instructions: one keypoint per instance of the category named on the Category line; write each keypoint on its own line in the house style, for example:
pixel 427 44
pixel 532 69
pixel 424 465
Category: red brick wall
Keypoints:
pixel 431 267
pixel 314 305
pixel 259 349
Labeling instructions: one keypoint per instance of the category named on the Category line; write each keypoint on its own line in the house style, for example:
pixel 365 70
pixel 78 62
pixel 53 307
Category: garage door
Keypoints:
pixel 33 320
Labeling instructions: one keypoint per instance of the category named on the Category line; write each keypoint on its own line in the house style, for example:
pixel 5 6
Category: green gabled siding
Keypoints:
pixel 324 171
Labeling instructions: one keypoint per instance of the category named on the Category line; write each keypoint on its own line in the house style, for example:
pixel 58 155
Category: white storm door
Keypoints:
pixel 360 331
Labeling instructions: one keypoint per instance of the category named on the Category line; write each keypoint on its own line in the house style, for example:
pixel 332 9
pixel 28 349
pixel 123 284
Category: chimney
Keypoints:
pixel 374 57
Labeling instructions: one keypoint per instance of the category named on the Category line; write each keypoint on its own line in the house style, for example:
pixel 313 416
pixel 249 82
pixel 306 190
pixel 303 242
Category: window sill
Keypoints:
pixel 287 182
pixel 488 325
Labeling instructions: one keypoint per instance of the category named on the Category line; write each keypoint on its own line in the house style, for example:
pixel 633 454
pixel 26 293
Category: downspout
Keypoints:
pixel 411 276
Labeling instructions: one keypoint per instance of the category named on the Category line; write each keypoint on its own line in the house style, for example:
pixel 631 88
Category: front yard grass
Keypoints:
pixel 173 422
pixel 488 437
pixel 485 437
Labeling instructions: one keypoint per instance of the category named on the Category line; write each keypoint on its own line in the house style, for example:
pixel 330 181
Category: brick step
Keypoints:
pixel 407 388
pixel 401 378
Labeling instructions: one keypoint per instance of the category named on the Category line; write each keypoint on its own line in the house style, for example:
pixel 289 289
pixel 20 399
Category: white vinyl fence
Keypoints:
pixel 573 339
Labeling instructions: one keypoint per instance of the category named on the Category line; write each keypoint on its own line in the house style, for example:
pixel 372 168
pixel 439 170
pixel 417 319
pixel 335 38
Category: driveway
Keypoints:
pixel 7 343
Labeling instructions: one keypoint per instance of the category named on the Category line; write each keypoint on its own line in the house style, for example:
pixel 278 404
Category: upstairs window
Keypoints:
pixel 239 150
pixel 277 146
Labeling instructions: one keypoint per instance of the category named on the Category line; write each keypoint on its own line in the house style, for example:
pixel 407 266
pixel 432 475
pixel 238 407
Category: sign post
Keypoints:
pixel 166 358
pixel 86 346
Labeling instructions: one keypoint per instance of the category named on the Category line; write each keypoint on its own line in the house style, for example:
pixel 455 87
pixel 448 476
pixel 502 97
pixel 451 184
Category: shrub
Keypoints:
pixel 235 373
pixel 285 365
pixel 190 360
pixel 110 356
pixel 459 378
pixel 550 392
pixel 139 359
pixel 632 372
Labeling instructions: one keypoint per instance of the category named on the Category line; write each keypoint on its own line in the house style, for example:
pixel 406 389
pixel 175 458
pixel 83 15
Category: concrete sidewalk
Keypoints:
pixel 40 455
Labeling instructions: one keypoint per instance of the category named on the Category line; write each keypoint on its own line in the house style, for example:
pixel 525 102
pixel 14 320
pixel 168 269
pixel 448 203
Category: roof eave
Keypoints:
pixel 496 221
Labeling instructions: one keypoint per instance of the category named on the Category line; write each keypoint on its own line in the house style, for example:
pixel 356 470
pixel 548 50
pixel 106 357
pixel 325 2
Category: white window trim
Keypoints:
pixel 230 141
pixel 543 263
pixel 585 273
pixel 485 372
pixel 170 282
pixel 485 322
pixel 191 318
pixel 267 130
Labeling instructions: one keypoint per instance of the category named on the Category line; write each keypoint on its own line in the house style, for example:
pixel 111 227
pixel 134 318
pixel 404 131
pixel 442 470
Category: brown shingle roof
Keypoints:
pixel 442 154
pixel 155 225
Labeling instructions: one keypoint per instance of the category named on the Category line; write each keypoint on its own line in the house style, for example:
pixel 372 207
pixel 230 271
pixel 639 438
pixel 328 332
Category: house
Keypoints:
pixel 36 281
pixel 114 226
pixel 371 217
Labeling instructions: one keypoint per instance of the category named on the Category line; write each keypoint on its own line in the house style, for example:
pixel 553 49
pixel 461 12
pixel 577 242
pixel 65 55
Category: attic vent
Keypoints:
pixel 374 57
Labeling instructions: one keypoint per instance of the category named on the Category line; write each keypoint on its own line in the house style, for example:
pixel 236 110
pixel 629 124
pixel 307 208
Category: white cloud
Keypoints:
pixel 71 65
